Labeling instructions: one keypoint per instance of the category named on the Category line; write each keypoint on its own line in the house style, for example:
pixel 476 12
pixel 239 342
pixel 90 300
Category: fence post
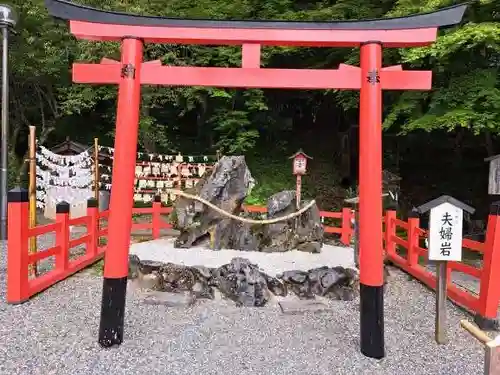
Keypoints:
pixel 346 235
pixel 17 251
pixel 156 217
pixel 413 238
pixel 62 235
pixel 489 293
pixel 390 231
pixel 93 225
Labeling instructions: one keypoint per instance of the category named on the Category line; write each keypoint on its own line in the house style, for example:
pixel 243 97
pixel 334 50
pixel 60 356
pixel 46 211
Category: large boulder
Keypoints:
pixel 335 283
pixel 227 187
pixel 243 282
pixel 304 232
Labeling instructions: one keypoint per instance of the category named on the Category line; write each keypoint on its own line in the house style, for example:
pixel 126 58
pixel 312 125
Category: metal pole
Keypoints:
pixel 5 134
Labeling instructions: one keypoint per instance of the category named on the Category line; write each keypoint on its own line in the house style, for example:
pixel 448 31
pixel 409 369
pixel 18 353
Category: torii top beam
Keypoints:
pixel 94 24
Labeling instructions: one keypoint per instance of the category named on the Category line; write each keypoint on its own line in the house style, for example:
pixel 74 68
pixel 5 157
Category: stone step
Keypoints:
pixel 302 306
pixel 168 299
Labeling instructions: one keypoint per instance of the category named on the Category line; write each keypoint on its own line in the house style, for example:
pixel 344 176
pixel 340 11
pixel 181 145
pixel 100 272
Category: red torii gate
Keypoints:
pixel 370 78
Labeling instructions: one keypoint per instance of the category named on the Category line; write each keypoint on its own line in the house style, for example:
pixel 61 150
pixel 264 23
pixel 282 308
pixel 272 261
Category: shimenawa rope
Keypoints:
pixel 242 219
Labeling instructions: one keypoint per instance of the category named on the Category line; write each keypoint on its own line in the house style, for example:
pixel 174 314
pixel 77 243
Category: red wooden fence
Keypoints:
pixel 19 286
pixel 403 252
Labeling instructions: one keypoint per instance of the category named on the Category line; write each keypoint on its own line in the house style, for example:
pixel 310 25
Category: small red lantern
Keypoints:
pixel 300 162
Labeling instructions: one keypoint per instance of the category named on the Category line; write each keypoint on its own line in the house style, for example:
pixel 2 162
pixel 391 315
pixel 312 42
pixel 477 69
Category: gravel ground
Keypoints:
pixel 463 280
pixel 56 333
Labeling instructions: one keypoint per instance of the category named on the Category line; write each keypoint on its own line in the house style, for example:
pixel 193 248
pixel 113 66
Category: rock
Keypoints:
pixel 304 232
pixel 344 293
pixel 298 283
pixel 176 278
pixel 203 285
pixel 226 187
pixel 243 282
pixel 203 271
pixel 310 247
pixel 337 282
pixel 133 266
pixel 295 277
pixel 275 286
pixel 148 266
pixel 232 234
pixel 150 281
pixel 144 274
pixel 279 202
pixel 203 290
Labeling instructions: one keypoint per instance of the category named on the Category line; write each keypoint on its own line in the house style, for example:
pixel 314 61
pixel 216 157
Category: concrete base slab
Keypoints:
pixel 163 250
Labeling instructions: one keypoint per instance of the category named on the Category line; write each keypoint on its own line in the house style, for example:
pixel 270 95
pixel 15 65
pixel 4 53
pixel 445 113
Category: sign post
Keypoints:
pixel 299 169
pixel 445 244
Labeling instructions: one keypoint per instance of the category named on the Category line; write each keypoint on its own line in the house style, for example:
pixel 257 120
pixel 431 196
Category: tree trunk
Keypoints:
pixel 458 146
pixel 490 149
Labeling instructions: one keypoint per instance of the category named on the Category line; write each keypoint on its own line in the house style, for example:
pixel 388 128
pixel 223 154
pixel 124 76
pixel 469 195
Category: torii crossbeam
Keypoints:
pixel 346 77
pixel 370 78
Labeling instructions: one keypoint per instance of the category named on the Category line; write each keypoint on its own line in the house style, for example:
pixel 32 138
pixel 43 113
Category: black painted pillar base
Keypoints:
pixel 372 321
pixel 486 324
pixel 114 292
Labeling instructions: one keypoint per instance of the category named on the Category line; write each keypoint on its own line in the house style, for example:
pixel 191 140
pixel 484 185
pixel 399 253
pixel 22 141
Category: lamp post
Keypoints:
pixel 8 20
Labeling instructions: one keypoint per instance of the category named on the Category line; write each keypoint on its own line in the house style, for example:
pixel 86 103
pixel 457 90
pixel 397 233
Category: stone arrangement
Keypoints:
pixel 227 187
pixel 243 282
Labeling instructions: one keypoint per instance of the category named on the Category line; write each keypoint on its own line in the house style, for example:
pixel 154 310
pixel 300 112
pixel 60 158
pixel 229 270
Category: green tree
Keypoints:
pixel 465 65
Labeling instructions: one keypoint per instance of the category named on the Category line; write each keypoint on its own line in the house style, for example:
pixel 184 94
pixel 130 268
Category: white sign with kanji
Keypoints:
pixel 445 233
pixel 299 165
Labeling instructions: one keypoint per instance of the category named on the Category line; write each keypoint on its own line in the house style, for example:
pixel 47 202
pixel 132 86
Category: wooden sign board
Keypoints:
pixel 445 233
pixel 494 177
pixel 299 165
pixel 299 162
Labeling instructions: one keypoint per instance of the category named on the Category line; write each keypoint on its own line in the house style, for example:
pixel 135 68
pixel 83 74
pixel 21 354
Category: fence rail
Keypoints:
pixel 404 250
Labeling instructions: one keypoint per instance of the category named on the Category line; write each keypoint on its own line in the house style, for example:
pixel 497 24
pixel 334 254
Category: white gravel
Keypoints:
pixel 163 250
pixel 56 333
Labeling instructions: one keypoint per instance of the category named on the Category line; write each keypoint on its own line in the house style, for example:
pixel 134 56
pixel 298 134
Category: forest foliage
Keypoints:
pixel 465 62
